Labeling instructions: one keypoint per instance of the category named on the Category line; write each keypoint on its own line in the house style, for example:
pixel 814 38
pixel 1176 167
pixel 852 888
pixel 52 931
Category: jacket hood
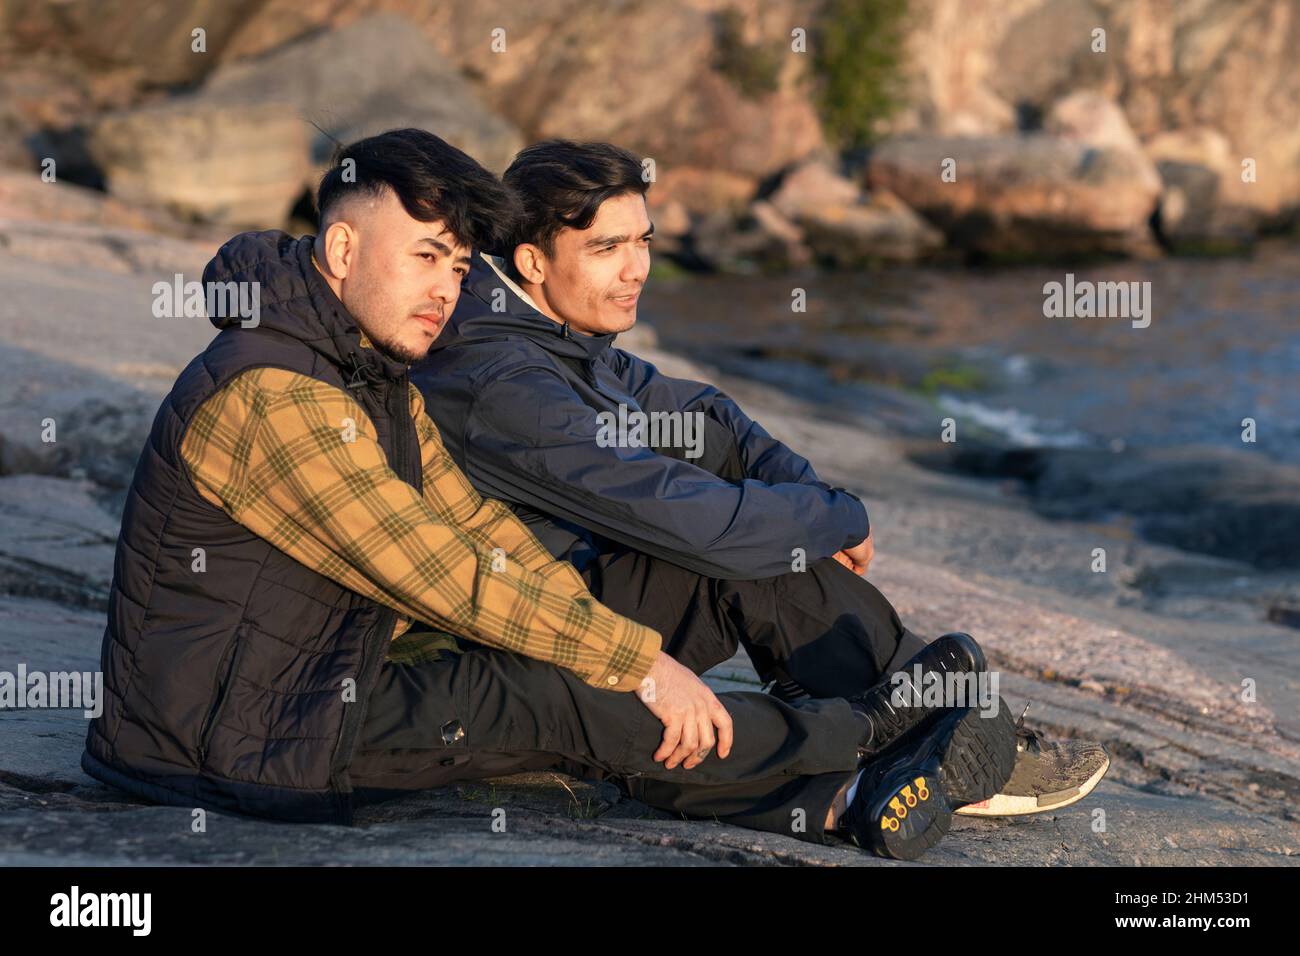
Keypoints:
pixel 292 298
pixel 475 319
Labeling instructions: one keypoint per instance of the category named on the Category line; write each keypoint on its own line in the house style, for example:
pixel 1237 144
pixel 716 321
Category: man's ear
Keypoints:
pixel 340 242
pixel 530 263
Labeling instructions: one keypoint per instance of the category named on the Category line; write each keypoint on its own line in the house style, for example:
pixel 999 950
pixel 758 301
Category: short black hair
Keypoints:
pixel 562 184
pixel 434 181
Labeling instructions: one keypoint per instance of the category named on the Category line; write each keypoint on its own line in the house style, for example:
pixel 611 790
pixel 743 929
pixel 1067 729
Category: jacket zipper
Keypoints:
pixel 371 651
pixel 221 692
pixel 382 633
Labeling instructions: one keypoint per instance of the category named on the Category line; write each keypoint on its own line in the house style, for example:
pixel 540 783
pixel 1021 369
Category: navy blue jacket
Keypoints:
pixel 516 396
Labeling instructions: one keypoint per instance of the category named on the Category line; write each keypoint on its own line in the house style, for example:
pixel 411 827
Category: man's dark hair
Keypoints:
pixel 562 184
pixel 434 181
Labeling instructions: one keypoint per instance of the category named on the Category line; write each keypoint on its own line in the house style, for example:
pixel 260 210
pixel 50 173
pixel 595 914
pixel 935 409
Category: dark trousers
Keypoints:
pixel 481 712
pixel 824 628
pixel 477 712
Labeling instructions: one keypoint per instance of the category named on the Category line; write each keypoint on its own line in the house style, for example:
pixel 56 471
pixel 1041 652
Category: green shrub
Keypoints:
pixel 858 58
pixel 754 68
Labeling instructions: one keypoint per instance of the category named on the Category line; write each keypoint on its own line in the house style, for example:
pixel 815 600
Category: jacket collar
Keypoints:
pixel 492 305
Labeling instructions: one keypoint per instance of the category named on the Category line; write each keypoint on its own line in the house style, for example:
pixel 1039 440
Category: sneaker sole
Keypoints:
pixel 911 808
pixel 909 815
pixel 980 758
pixel 1006 805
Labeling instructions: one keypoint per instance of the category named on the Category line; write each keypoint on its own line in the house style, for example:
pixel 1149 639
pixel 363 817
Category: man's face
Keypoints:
pixel 594 279
pixel 398 277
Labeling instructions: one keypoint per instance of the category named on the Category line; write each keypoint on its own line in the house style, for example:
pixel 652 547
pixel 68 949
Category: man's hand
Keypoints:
pixel 857 559
pixel 689 712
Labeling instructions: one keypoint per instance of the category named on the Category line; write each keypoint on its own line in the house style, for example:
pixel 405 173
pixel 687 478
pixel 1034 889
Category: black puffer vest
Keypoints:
pixel 242 686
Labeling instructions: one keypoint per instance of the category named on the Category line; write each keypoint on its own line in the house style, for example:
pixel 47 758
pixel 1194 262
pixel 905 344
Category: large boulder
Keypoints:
pixel 987 67
pixel 1204 204
pixel 699 190
pixel 812 185
pixel 242 165
pixel 246 146
pixel 1022 196
pixel 812 214
pixel 26 197
pixel 881 229
pixel 1094 120
pixel 376 74
pixel 842 226
pixel 648 76
pixel 759 240
pixel 1194 145
pixel 681 197
pixel 689 83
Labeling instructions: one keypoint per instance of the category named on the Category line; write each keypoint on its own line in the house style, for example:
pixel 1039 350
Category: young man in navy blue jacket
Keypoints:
pixel 678 510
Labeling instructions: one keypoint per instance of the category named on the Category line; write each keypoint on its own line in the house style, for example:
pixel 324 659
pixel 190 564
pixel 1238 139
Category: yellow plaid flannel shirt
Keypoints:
pixel 275 451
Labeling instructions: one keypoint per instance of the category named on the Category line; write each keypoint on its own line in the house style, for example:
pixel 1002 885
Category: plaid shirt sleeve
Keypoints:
pixel 298 463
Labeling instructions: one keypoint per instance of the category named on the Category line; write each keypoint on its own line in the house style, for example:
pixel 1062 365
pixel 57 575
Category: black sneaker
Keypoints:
pixel 906 795
pixel 788 691
pixel 951 653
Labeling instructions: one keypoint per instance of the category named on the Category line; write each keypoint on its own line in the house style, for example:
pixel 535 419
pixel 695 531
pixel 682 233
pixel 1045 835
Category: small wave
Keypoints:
pixel 1019 427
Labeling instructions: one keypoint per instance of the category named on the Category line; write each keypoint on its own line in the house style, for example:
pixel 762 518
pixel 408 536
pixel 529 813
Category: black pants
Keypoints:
pixel 824 628
pixel 480 712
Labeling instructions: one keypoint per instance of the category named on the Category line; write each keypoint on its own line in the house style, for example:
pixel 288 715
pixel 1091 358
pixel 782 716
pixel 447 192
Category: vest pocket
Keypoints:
pixel 221 691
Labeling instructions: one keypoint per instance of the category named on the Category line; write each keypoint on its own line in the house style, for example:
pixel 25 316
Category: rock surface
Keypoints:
pixel 688 84
pixel 204 158
pixel 880 229
pixel 1025 195
pixel 844 227
pixel 373 75
pixel 985 67
pixel 1199 499
pixel 1116 97
pixel 242 150
pixel 1203 205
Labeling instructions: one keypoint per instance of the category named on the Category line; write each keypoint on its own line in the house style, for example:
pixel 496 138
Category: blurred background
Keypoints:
pixel 860 207
pixel 920 169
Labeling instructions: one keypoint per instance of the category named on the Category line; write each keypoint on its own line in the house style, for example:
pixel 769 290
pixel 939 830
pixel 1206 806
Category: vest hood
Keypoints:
pixel 294 299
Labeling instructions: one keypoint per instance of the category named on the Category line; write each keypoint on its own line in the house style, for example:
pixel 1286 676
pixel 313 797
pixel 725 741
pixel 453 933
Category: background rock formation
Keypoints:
pixel 710 89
